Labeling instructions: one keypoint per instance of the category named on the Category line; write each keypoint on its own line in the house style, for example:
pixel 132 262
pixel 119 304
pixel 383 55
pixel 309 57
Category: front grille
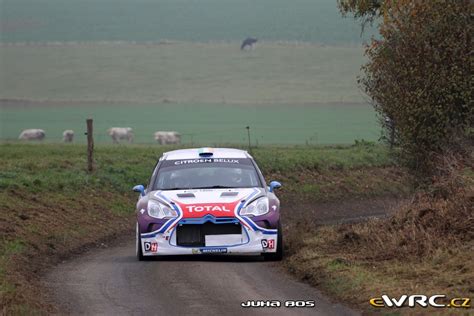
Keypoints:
pixel 190 235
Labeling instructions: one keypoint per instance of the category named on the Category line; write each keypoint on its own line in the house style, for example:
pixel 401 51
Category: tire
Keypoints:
pixel 138 245
pixel 278 255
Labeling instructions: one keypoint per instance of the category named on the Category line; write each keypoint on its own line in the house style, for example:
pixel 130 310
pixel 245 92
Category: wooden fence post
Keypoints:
pixel 90 145
pixel 248 134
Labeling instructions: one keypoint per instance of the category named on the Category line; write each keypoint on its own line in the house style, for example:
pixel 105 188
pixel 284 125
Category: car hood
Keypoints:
pixel 201 202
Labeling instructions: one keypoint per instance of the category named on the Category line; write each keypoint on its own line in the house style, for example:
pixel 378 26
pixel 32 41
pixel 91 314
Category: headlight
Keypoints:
pixel 158 210
pixel 256 208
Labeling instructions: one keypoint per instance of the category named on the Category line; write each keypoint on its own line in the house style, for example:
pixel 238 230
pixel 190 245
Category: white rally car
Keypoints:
pixel 208 201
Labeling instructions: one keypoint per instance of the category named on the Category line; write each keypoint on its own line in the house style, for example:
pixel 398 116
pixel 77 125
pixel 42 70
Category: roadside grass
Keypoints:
pixel 424 248
pixel 40 228
pixel 354 280
pixel 7 250
pixel 55 167
pixel 321 158
pixel 331 185
pixel 52 208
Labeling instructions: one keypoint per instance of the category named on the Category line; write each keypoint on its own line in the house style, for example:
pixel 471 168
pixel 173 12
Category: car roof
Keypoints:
pixel 193 153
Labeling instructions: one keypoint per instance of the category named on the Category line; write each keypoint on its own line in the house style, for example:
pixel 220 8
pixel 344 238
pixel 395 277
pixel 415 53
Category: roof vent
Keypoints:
pixel 206 152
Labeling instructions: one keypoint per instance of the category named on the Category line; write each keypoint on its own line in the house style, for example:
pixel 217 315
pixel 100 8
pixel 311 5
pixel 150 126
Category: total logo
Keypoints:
pixel 207 208
pixel 150 246
pixel 215 209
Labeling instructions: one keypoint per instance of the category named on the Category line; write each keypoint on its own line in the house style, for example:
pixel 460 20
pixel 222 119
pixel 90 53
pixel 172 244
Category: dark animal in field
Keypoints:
pixel 249 42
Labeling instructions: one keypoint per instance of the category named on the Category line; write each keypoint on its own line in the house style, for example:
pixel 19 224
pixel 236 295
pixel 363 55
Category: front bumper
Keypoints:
pixel 254 242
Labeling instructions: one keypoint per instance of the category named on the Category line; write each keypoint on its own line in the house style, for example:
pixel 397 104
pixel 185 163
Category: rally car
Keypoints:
pixel 208 201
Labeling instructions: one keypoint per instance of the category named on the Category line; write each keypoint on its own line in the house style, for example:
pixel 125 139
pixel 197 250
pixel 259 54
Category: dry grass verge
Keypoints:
pixel 425 248
pixel 39 230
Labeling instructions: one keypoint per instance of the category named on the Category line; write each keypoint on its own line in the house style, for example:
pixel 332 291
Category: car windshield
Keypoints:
pixel 206 174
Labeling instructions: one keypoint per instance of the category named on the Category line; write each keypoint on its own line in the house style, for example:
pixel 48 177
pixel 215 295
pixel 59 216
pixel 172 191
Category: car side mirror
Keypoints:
pixel 140 189
pixel 274 185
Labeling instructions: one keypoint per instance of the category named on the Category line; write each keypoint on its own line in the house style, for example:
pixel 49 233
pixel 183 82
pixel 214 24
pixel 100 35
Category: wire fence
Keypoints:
pixel 238 135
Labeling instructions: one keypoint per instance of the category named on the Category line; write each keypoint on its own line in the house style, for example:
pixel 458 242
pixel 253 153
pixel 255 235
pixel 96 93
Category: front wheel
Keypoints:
pixel 138 245
pixel 278 255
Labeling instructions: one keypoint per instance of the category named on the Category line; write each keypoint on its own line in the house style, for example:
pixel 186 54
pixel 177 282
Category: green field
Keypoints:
pixel 181 72
pixel 121 167
pixel 205 124
pixel 287 94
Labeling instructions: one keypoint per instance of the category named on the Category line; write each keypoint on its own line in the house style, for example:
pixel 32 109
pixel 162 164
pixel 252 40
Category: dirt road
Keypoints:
pixel 111 281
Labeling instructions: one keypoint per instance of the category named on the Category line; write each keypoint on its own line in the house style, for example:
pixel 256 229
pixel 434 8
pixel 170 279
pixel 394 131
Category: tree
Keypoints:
pixel 419 76
pixel 367 10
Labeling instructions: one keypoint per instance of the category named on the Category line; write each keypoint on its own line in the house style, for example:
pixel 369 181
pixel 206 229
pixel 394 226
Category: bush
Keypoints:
pixel 419 78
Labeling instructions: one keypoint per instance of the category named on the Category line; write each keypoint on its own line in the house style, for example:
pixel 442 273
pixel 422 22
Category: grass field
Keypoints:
pixel 182 72
pixel 62 167
pixel 201 123
pixel 288 94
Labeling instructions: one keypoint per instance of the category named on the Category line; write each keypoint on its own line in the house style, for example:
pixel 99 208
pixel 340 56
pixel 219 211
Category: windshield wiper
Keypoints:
pixel 199 188
pixel 215 187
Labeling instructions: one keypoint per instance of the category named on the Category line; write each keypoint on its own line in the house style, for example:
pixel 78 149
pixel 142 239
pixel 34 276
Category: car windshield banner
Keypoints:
pixel 205 161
